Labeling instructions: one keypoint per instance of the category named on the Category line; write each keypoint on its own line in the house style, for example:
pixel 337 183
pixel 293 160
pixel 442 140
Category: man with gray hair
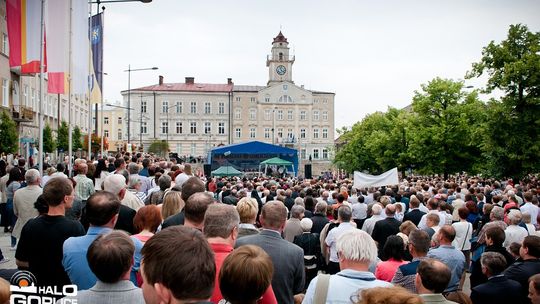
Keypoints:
pixel 344 220
pixel 356 251
pixel 498 288
pixel 376 216
pixel 385 228
pixel 85 186
pixel 319 218
pixel 514 233
pixel 23 203
pixel 496 218
pixel 293 227
pixel 133 169
pixel 116 184
pixel 288 259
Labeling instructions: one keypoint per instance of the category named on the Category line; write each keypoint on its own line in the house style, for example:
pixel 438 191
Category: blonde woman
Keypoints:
pixel 247 209
pixel 172 204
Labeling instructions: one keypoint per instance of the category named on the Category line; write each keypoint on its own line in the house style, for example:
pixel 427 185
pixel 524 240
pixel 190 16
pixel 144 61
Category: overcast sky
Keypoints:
pixel 372 54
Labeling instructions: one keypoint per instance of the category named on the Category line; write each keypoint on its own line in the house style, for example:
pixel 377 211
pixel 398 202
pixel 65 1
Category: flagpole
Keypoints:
pixel 101 72
pixel 89 156
pixel 70 137
pixel 41 85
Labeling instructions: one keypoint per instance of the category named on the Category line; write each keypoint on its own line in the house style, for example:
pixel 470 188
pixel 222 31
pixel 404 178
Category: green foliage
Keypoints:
pixel 62 137
pixel 49 145
pixel 159 147
pixel 9 139
pixel 512 144
pixel 76 138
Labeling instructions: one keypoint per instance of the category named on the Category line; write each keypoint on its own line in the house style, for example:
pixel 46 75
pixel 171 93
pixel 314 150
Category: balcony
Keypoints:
pixel 22 114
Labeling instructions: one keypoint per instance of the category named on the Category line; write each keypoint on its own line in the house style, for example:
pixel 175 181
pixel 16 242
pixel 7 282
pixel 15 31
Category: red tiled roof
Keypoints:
pixel 188 87
pixel 280 38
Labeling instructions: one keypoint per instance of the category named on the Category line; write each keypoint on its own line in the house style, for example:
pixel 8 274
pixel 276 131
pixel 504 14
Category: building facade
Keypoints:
pixel 194 117
pixel 20 96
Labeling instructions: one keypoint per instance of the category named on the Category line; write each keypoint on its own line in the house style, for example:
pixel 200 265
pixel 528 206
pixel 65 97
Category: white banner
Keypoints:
pixel 362 180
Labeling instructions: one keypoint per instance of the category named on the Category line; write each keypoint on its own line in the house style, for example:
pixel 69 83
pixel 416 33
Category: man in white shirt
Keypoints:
pixel 529 207
pixel 514 233
pixel 433 206
pixel 369 224
pixel 344 219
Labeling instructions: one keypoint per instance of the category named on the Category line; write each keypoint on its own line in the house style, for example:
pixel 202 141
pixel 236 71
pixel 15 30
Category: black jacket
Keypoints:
pixel 496 290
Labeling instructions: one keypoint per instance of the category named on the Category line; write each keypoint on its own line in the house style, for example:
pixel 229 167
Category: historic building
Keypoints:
pixel 194 117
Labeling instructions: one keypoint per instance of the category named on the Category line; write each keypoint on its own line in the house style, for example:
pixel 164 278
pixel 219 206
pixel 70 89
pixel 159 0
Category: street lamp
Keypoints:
pixel 129 70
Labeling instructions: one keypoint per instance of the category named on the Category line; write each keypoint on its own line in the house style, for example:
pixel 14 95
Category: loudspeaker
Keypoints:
pixel 307 171
pixel 207 170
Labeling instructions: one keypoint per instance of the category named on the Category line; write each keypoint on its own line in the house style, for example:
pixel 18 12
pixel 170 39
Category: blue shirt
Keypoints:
pixel 344 285
pixel 454 259
pixel 75 262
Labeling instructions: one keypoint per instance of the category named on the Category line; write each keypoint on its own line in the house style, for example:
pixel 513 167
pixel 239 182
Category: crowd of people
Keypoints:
pixel 139 229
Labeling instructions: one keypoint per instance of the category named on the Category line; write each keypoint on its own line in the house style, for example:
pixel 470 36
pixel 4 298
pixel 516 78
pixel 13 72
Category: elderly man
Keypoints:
pixel 292 227
pixel 319 218
pixel 529 264
pixel 23 203
pixel 85 186
pixel 356 251
pixel 385 228
pixel 191 186
pixel 344 220
pixel 419 242
pixel 288 259
pixel 133 169
pixel 369 224
pixel 431 280
pixel 115 184
pixel 450 256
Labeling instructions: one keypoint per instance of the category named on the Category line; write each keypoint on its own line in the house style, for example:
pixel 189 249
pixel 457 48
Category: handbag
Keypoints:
pixel 466 233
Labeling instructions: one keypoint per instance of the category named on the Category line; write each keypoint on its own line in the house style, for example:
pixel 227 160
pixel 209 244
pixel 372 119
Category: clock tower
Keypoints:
pixel 279 63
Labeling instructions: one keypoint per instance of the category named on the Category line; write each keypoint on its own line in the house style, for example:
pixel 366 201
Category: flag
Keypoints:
pixel 362 180
pixel 24 34
pixel 96 40
pixel 57 29
pixel 80 47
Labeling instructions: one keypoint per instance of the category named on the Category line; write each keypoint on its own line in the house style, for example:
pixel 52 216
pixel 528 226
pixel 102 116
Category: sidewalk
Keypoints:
pixel 5 245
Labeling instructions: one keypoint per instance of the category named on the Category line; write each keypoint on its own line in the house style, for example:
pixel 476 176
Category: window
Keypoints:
pixel 325 115
pixel 179 126
pixel 285 98
pixel 325 100
pixel 325 153
pixel 5 44
pixel 25 93
pixel 144 128
pixel 5 93
pixel 193 127
pixel 302 133
pixel 285 87
pixel 119 120
pixel 252 114
pixel 105 120
pixel 221 108
pixel 143 106
pixel 252 99
pixel 237 113
pixel 221 128
pixel 207 108
pixel 280 132
pixel 193 149
pixel 34 104
pixel 193 107
pixel 238 99
pixel 267 99
pixel 179 148
pixel 267 115
pixel 164 107
pixel 238 132
pixel 266 133
pixel 164 127
pixel 316 153
pixel 179 107
pixel 280 114
pixel 303 153
pixel 106 133
pixel 302 115
pixel 119 134
pixel 207 127
pixel 315 133
pixel 290 115
pixel 315 115
pixel 324 133
pixel 252 133
pixel 290 133
pixel 315 100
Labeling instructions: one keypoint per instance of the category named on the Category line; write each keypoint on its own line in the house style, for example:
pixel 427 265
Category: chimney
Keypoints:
pixel 190 80
pixel 229 81
pixel 160 80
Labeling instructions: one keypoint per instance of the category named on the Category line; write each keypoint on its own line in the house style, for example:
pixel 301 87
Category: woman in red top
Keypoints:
pixel 393 251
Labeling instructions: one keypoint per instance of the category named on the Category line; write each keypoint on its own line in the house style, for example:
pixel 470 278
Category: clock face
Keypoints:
pixel 281 70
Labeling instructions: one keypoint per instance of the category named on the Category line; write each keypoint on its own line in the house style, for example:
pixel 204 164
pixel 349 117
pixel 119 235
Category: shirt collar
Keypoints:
pixel 95 230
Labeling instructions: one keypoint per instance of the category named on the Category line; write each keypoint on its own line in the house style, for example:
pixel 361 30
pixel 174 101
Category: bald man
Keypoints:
pixel 385 228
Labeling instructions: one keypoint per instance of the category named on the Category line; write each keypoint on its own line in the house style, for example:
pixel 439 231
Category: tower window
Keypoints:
pixel 280 56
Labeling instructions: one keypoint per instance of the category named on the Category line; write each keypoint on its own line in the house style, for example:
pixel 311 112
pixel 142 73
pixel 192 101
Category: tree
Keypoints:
pixel 159 147
pixel 62 137
pixel 444 117
pixel 512 143
pixel 9 139
pixel 49 145
pixel 96 143
pixel 76 138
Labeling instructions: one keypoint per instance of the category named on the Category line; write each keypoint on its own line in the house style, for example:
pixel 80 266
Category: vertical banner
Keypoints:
pixel 24 25
pixel 96 40
pixel 80 47
pixel 57 29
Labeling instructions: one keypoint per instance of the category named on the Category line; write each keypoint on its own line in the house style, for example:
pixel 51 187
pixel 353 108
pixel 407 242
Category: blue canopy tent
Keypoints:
pixel 247 156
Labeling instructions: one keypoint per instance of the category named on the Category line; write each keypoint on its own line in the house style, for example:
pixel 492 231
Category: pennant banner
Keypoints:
pixel 96 40
pixel 388 178
pixel 57 29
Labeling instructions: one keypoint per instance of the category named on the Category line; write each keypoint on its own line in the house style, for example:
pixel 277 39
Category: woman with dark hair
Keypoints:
pixel 13 184
pixel 473 211
pixel 464 231
pixel 393 251
pixel 101 173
